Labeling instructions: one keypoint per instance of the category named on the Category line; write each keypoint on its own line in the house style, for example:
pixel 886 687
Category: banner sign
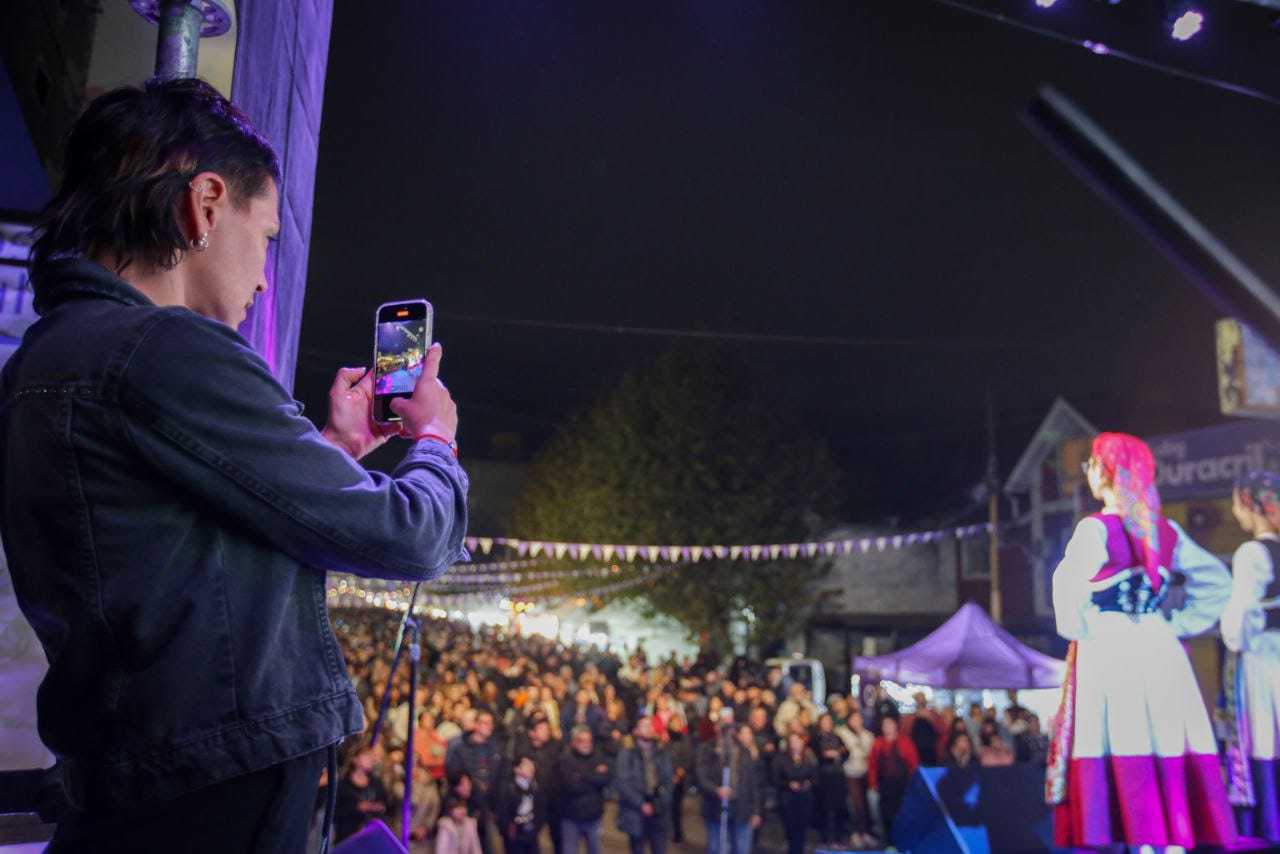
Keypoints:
pixel 1206 463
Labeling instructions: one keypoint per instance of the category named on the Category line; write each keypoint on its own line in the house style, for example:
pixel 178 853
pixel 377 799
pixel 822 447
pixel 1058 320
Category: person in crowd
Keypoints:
pixel 839 708
pixel 960 753
pixel 795 776
pixel 428 747
pixel 361 795
pixel 681 750
pixel 584 774
pixel 710 722
pixel 858 741
pixel 994 751
pixel 1128 659
pixel 832 793
pixel 797 701
pixel 545 751
pixel 1032 744
pixel 973 722
pixel 926 731
pixel 613 727
pixel 456 832
pixel 893 761
pixel 884 706
pixel 584 711
pixel 483 760
pixel 206 491
pixel 1251 632
pixel 643 778
pixel 520 810
pixel 425 809
pixel 732 800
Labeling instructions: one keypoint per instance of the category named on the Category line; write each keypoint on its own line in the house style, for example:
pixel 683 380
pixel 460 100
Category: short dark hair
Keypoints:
pixel 129 160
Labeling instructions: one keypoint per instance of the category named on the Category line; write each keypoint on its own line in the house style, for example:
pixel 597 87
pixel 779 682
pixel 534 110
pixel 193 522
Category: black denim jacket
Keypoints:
pixel 169 516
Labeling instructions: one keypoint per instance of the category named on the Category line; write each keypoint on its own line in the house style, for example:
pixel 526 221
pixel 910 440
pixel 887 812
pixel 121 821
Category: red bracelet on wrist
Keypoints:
pixel 453 446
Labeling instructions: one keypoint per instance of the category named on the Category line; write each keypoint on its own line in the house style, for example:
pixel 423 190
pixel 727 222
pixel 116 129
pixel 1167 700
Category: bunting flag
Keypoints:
pixel 472 581
pixel 394 596
pixel 695 554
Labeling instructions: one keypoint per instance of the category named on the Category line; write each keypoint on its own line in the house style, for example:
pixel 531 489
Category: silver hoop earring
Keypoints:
pixel 201 243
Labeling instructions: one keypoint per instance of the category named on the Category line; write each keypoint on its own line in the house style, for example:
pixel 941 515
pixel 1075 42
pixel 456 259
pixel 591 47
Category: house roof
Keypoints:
pixel 1062 424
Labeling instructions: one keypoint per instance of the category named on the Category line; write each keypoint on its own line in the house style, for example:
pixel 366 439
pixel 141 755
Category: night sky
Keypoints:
pixel 851 172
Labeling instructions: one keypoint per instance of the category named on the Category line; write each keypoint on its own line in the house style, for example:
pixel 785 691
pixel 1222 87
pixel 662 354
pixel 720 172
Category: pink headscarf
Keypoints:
pixel 1129 463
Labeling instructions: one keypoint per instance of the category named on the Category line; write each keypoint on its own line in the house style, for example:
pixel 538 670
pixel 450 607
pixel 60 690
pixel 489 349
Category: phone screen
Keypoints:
pixel 401 341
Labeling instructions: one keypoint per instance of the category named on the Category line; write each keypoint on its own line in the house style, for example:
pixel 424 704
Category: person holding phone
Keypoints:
pixel 169 515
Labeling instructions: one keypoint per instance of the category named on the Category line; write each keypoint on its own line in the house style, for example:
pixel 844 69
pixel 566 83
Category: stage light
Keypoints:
pixel 1045 4
pixel 1187 25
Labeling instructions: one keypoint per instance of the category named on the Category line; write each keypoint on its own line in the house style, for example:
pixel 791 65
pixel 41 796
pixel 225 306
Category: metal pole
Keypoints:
pixel 1204 260
pixel 395 664
pixel 993 510
pixel 415 652
pixel 178 46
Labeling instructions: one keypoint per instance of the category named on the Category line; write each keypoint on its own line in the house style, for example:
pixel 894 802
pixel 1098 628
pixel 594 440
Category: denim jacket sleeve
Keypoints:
pixel 203 409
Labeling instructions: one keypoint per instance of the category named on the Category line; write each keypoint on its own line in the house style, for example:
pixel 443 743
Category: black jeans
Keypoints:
pixel 265 812
pixel 653 834
pixel 677 808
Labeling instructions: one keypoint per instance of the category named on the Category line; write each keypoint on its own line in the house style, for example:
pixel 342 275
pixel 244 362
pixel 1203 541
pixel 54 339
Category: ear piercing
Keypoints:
pixel 201 243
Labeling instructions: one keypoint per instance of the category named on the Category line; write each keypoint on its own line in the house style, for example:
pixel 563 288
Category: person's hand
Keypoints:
pixel 646 810
pixel 351 426
pixel 795 785
pixel 724 793
pixel 431 408
pixel 602 769
pixel 755 822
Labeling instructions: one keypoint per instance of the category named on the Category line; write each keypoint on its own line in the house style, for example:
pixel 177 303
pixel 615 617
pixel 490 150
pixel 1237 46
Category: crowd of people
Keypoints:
pixel 520 741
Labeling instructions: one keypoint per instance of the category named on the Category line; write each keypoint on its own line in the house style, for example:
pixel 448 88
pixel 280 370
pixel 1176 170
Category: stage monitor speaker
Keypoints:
pixel 975 811
pixel 374 838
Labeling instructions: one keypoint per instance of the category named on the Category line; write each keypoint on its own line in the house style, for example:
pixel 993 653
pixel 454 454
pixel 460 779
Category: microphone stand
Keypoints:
pixel 408 629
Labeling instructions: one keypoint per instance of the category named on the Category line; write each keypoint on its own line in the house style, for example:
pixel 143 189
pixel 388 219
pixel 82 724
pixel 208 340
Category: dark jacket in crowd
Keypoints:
pixel 484 762
pixel 168 519
pixel 804 773
pixel 633 792
pixel 546 762
pixel 582 785
pixel 747 797
pixel 512 823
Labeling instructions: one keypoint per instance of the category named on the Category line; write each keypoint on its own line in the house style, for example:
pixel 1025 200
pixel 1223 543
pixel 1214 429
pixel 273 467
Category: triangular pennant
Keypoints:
pixel 881 542
pixel 486 544
pixel 695 553
pixel 535 548
pixel 597 551
pixel 829 547
pixel 471 543
pixel 897 541
pixel 522 548
pixel 793 549
pixel 652 552
pixel 719 551
pixel 684 554
pixel 631 553
pixel 756 552
pixel 865 545
pixel 608 553
pixel 774 551
pixel 561 548
pixel 811 549
pixel 734 552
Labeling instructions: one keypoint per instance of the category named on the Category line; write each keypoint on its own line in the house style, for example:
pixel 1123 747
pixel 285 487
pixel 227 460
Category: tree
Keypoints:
pixel 692 450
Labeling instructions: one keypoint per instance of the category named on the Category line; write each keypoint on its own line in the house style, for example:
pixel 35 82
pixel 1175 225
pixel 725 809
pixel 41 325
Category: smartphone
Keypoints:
pixel 402 336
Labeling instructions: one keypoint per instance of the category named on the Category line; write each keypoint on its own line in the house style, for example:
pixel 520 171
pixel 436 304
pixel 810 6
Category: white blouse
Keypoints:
pixel 1208 584
pixel 1243 621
